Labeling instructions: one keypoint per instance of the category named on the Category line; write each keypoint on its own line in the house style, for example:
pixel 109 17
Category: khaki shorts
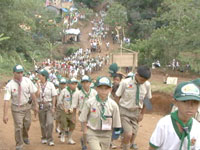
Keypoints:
pixel 129 120
pixel 99 140
pixel 66 121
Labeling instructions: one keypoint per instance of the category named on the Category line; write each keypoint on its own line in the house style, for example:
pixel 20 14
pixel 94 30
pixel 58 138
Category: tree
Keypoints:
pixel 116 15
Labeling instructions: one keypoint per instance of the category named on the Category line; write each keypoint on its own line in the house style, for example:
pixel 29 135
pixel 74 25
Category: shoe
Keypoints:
pixel 26 141
pixel 113 146
pixel 134 146
pixel 51 143
pixel 57 130
pixel 62 138
pixel 71 142
pixel 84 148
pixel 44 141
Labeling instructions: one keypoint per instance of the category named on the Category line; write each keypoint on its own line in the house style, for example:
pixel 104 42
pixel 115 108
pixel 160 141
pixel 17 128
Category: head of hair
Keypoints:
pixel 144 72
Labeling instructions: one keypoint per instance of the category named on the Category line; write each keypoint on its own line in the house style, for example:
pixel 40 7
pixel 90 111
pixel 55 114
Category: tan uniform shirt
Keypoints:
pixel 82 98
pixel 27 88
pixel 65 99
pixel 127 90
pixel 47 92
pixel 91 113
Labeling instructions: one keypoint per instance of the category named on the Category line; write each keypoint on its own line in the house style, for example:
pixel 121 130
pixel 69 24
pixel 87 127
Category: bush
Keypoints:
pixel 70 50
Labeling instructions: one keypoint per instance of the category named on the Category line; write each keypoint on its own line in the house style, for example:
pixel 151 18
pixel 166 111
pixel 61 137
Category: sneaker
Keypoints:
pixel 134 146
pixel 113 146
pixel 71 142
pixel 84 148
pixel 58 130
pixel 26 141
pixel 44 141
pixel 62 138
pixel 51 143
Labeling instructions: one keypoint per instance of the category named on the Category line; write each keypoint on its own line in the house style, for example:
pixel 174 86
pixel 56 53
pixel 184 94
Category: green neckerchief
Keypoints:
pixel 86 94
pixel 137 93
pixel 102 107
pixel 71 92
pixel 186 129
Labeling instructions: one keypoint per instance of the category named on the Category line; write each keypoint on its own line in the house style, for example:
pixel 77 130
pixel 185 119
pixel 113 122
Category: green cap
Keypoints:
pixel 187 91
pixel 103 81
pixel 18 68
pixel 196 81
pixel 73 80
pixel 86 78
pixel 44 73
pixel 113 68
pixel 63 80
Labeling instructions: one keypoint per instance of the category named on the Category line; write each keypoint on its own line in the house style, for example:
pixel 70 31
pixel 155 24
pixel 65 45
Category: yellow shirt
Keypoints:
pixel 47 92
pixel 27 88
pixel 127 90
pixel 91 113
pixel 82 97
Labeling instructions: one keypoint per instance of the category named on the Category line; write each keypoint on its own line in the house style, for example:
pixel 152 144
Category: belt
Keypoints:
pixel 16 105
pixel 47 102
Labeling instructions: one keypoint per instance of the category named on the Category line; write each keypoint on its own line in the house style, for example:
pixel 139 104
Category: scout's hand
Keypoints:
pixel 5 119
pixel 140 117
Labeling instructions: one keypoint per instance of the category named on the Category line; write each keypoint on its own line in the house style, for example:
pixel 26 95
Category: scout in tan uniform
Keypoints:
pixel 100 116
pixel 66 102
pixel 85 93
pixel 131 94
pixel 19 90
pixel 46 98
pixel 62 85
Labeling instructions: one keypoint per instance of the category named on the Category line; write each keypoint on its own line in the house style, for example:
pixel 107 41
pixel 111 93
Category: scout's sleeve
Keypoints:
pixel 54 92
pixel 157 138
pixel 33 88
pixel 84 113
pixel 7 95
pixel 75 98
pixel 148 94
pixel 121 89
pixel 116 116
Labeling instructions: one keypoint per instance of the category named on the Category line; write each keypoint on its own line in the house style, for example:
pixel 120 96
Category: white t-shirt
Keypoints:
pixel 165 137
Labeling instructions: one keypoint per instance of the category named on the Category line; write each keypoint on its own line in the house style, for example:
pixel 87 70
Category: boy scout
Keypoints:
pixel 85 93
pixel 19 90
pixel 179 130
pixel 66 102
pixel 197 115
pixel 100 115
pixel 62 85
pixel 131 93
pixel 46 98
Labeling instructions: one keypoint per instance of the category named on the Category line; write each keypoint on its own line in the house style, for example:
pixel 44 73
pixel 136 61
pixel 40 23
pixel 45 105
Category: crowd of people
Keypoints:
pixel 106 110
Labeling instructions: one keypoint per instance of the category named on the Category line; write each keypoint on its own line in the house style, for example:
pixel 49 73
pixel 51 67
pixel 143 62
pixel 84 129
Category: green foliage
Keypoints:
pixel 29 27
pixel 90 3
pixel 116 15
pixel 70 50
pixel 177 37
pixel 3 38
